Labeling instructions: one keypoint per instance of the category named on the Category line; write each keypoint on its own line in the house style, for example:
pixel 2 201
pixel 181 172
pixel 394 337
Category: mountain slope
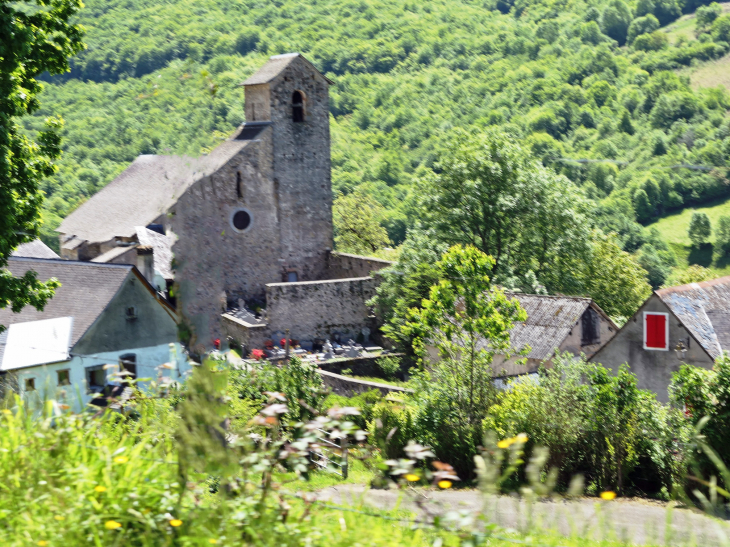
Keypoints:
pixel 161 77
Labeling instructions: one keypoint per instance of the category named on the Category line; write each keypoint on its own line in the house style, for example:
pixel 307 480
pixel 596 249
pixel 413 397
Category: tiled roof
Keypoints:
pixel 704 309
pixel 86 289
pixel 34 249
pixel 549 321
pixel 275 66
pixel 143 192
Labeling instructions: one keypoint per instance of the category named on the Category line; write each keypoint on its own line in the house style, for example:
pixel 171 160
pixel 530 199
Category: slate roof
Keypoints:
pixel 34 249
pixel 86 290
pixel 704 309
pixel 275 66
pixel 111 254
pixel 144 191
pixel 162 247
pixel 549 321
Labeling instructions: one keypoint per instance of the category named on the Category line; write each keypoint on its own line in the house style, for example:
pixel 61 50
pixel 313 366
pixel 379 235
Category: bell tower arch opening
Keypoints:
pixel 297 106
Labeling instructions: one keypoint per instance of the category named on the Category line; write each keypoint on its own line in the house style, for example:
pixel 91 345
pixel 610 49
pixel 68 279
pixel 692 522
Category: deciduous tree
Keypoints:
pixel 35 37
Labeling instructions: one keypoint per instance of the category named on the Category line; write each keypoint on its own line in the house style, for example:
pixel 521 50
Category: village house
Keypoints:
pixel 684 324
pixel 102 320
pixel 249 225
pixel 555 324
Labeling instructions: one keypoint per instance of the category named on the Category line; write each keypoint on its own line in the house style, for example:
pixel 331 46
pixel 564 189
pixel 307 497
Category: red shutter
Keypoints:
pixel 656 331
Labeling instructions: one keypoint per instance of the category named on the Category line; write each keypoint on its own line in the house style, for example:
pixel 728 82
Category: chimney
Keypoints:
pixel 146 263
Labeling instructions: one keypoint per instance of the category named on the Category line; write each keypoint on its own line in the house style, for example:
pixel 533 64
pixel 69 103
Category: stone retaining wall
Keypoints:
pixel 348 387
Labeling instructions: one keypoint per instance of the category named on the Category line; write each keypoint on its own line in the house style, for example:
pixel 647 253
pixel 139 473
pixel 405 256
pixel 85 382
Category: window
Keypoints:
pixel 239 192
pixel 292 277
pixel 96 378
pixel 241 220
pixel 297 107
pixel 30 384
pixel 64 377
pixel 131 313
pixel 590 328
pixel 656 331
pixel 128 362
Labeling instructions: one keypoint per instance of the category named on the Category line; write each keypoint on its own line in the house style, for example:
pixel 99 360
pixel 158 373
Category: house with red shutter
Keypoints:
pixel 684 324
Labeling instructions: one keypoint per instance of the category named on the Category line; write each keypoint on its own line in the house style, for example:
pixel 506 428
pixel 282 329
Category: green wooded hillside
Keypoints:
pixel 571 80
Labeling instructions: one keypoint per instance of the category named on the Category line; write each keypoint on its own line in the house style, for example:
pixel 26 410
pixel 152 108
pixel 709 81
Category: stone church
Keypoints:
pixel 248 226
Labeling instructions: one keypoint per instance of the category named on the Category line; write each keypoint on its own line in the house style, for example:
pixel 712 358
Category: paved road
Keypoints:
pixel 635 521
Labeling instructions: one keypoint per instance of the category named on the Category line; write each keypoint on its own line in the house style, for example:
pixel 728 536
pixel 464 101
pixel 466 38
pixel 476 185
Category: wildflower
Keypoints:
pixel 112 525
pixel 521 438
pixel 59 517
pixel 7 412
pixel 42 543
pixel 412 477
pixel 121 459
pixel 100 489
pixel 444 484
pixel 175 523
pixel 212 541
pixel 504 443
pixel 608 495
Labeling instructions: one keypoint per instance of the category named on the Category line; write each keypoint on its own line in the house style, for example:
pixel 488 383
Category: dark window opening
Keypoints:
pixel 297 101
pixel 96 378
pixel 292 277
pixel 238 185
pixel 128 363
pixel 241 220
pixel 64 377
pixel 30 384
pixel 131 313
pixel 591 328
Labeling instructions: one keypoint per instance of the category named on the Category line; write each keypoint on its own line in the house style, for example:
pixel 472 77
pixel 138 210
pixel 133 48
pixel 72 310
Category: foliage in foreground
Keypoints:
pixel 36 37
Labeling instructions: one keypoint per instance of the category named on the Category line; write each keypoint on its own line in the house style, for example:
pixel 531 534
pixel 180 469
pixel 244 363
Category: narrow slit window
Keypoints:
pixel 297 103
pixel 239 192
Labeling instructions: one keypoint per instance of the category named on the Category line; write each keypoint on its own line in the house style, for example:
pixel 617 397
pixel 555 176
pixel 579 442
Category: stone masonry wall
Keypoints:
pixel 212 260
pixel 319 309
pixel 302 170
pixel 344 265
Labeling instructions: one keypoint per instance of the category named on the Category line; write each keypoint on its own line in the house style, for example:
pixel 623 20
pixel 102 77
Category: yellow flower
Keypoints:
pixel 8 413
pixel 100 489
pixel 121 459
pixel 42 543
pixel 608 495
pixel 411 477
pixel 505 443
pixel 521 438
pixel 112 525
pixel 444 484
pixel 175 523
pixel 212 541
pixel 59 517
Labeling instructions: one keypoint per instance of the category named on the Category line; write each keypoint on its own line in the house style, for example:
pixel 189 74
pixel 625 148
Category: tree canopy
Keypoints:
pixel 35 37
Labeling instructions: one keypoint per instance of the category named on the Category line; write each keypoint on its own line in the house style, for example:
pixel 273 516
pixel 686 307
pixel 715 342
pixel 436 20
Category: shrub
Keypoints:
pixel 389 366
pixel 642 25
pixel 595 423
pixel 365 402
pixel 722 235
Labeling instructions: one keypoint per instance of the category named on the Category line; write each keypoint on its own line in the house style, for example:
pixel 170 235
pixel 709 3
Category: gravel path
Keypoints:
pixel 632 520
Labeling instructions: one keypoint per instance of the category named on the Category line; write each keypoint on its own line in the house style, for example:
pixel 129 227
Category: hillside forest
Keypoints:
pixel 599 92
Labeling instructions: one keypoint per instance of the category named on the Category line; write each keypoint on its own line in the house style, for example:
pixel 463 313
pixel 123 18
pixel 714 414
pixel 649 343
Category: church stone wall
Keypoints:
pixel 344 265
pixel 214 263
pixel 302 170
pixel 319 309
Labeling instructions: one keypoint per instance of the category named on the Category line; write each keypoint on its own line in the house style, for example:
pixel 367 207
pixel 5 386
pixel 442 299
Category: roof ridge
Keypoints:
pixel 694 285
pixel 586 298
pixel 70 262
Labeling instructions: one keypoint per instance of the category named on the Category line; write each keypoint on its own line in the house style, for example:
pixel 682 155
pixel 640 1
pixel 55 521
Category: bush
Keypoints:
pixel 642 25
pixel 595 423
pixel 722 235
pixel 389 366
pixel 365 402
pixel 706 393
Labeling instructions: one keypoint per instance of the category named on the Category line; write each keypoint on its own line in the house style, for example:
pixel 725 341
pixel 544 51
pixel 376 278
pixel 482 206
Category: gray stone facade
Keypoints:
pixel 653 368
pixel 254 213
